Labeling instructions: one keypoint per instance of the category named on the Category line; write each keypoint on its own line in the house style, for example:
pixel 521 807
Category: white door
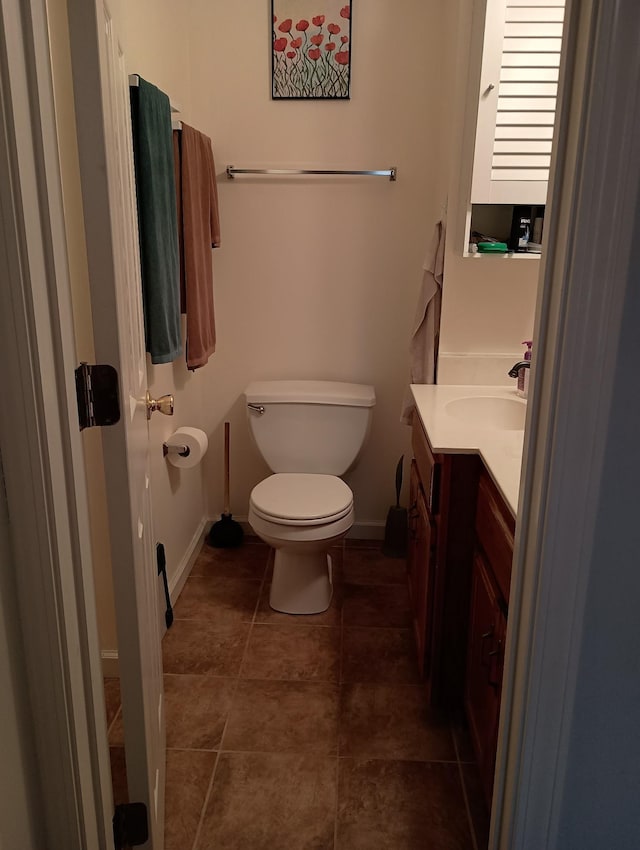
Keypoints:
pixel 101 92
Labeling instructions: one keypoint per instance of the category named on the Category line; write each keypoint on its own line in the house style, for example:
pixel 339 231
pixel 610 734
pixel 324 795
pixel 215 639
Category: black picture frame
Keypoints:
pixel 311 54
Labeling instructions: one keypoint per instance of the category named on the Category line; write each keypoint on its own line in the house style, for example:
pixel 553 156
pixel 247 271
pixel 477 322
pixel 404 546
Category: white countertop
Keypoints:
pixel 500 450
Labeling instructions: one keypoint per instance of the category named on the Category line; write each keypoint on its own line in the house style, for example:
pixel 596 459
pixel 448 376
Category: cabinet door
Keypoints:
pixel 484 671
pixel 421 562
pixel 495 530
pixel 516 109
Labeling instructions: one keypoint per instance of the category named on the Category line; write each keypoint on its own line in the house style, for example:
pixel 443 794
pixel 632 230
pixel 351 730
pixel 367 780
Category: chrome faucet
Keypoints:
pixel 521 364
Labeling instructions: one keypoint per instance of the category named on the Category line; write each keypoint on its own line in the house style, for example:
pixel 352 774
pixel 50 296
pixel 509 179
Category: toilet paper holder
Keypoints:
pixel 183 451
pixel 185 448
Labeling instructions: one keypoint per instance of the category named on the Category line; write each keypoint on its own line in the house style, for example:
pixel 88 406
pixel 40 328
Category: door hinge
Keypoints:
pixel 98 395
pixel 130 825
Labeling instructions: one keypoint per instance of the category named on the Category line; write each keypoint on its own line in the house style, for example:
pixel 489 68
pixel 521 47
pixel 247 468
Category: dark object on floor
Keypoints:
pixel 226 533
pixel 395 531
pixel 161 560
pixel 130 825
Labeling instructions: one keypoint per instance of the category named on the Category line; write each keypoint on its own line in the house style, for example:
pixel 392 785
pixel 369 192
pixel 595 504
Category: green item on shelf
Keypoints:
pixel 492 247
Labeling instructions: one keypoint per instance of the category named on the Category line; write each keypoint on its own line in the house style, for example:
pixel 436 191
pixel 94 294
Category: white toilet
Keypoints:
pixel 308 432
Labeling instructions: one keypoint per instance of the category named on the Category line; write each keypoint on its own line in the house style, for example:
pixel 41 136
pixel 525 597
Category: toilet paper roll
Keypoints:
pixel 196 442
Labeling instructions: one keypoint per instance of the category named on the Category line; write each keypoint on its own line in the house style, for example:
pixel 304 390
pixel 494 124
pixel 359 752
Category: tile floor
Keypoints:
pixel 304 732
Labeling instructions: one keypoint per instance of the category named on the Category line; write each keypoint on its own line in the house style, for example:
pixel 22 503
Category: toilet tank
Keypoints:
pixel 309 426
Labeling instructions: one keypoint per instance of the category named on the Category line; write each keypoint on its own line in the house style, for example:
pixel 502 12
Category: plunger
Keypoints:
pixel 226 533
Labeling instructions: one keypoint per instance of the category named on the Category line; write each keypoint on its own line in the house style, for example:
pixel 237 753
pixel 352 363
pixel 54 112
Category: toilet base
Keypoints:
pixel 302 582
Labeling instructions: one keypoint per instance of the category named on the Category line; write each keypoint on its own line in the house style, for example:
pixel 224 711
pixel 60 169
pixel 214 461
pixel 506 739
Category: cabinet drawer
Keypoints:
pixel 429 467
pixel 494 531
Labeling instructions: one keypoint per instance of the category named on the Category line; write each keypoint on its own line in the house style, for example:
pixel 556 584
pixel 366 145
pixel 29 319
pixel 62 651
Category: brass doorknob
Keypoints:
pixel 164 404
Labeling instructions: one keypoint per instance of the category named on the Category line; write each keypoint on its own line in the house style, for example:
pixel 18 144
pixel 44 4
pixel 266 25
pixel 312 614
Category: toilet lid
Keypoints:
pixel 299 498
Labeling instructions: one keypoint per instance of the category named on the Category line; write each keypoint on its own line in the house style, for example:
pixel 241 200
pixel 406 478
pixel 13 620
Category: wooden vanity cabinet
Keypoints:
pixel 459 573
pixel 441 519
pixel 491 578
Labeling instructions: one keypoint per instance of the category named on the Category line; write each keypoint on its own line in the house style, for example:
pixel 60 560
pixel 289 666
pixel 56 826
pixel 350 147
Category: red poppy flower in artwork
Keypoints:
pixel 345 12
pixel 317 39
pixel 285 26
pixel 302 25
pixel 330 46
pixel 296 43
pixel 344 39
pixel 279 45
pixel 291 54
pixel 334 29
pixel 314 54
pixel 318 20
pixel 274 19
pixel 342 57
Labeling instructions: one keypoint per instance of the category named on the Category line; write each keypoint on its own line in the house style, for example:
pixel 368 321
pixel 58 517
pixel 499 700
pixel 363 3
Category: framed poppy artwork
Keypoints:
pixel 311 55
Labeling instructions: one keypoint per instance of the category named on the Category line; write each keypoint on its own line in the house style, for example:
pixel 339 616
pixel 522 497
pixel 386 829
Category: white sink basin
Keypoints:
pixel 505 414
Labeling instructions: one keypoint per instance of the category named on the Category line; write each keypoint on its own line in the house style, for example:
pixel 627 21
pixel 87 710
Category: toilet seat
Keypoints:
pixel 297 498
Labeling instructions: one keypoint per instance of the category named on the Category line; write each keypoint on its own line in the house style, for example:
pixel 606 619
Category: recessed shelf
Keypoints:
pixel 498 222
pixel 513 255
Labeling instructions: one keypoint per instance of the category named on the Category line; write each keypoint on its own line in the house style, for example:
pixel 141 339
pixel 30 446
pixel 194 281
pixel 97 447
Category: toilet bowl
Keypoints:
pixel 301 515
pixel 310 433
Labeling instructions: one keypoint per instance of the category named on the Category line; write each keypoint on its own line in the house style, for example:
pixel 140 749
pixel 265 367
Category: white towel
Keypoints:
pixel 425 335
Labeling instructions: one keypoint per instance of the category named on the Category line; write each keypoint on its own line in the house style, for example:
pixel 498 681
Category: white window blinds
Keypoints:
pixel 517 110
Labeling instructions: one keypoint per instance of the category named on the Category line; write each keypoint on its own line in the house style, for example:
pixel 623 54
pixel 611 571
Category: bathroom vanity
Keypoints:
pixel 465 474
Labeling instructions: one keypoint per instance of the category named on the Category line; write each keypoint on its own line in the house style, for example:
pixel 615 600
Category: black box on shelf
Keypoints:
pixel 521 225
pixel 526 221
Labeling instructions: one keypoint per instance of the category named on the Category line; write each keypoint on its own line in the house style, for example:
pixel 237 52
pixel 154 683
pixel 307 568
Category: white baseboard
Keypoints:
pixel 110 665
pixel 177 581
pixel 373 530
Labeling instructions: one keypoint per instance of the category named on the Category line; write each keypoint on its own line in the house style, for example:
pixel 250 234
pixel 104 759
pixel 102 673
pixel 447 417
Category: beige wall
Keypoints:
pixel 319 278
pixel 488 302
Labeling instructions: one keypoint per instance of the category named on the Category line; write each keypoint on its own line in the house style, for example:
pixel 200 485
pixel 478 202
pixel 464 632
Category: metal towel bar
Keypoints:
pixel 391 173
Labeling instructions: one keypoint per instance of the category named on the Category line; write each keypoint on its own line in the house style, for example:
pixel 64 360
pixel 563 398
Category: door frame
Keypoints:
pixel 583 299
pixel 42 449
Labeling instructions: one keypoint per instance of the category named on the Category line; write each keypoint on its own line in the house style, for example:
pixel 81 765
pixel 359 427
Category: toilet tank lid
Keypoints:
pixel 310 392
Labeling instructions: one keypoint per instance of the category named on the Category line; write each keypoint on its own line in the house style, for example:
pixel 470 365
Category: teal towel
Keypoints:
pixel 157 220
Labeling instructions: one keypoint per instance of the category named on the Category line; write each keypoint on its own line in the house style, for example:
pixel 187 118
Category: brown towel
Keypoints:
pixel 198 232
